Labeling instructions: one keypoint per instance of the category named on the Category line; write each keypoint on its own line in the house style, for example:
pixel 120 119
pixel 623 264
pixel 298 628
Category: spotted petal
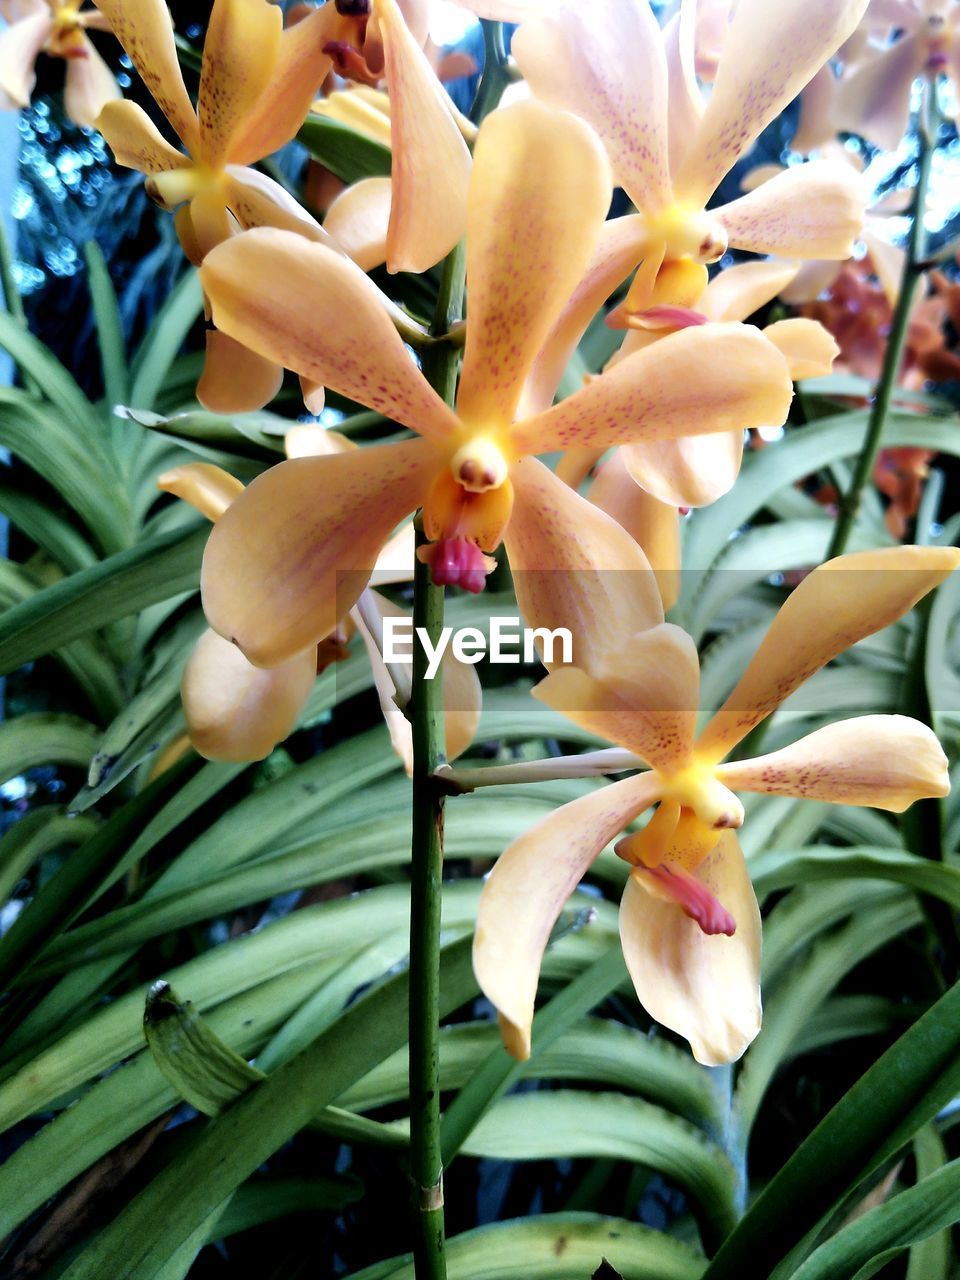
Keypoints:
pixel 874 98
pixel 704 987
pixel 310 309
pixel 293 552
pixel 528 244
pixel 239 54
pixel 886 762
pixel 135 141
pixel 838 604
pixel 527 889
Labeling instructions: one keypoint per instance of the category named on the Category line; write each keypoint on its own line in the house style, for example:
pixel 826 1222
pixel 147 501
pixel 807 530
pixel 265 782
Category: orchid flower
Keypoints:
pixel 271 568
pixel 60 31
pixel 610 63
pixel 873 98
pixel 238 712
pixel 695 470
pixel 689 921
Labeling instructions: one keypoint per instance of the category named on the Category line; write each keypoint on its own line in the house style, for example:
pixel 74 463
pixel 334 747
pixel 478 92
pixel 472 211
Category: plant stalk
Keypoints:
pixel 426 714
pixel 913 268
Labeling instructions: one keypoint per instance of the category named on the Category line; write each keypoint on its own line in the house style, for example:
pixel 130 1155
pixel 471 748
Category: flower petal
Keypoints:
pixel 654 525
pixel 873 99
pixel 89 86
pixel 135 141
pixel 207 488
pixel 771 51
pixel 888 261
pixel 605 62
pixel 838 604
pixel 293 552
pixel 431 162
pixel 686 103
pixel 886 762
pixel 621 246
pixel 691 471
pixel 813 210
pixel 358 220
pixel 813 278
pixel 310 309
pixel 706 988
pixel 527 889
pixel 737 292
pixel 20 46
pixel 145 30
pixel 574 566
pixel 702 379
pixel 808 348
pixel 816 127
pixel 239 712
pixel 647 704
pixel 236 379
pixel 256 200
pixel 300 68
pixel 503 10
pixel 528 244
pixel 240 52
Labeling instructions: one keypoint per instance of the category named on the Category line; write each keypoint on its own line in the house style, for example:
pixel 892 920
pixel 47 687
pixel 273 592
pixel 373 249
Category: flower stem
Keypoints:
pixel 426 713
pixel 913 268
pixel 495 77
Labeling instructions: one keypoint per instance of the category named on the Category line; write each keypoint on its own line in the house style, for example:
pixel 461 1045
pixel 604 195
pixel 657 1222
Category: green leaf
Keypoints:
pixel 33 836
pixel 46 528
pixel 43 737
pixel 202 1069
pixel 145 1234
pixel 58 386
pixel 899 1094
pixel 786 867
pixel 887 1230
pixel 930 1256
pixel 165 337
pixel 556 1247
pixel 244 435
pixel 345 152
pixel 86 601
pixel 113 354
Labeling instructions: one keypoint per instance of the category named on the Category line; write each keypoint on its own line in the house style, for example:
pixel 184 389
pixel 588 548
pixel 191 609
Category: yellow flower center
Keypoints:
pixel 698 790
pixel 688 233
pixel 179 186
pixel 480 464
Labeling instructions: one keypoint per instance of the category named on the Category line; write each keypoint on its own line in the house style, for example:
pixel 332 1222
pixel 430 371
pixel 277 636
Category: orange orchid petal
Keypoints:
pixel 20 46
pixel 312 310
pixel 813 210
pixel 808 348
pixel 256 200
pixel 619 249
pixel 705 378
pixel 811 280
pixel 692 471
pixel 686 102
pixel 816 126
pixel 358 220
pixel 648 705
pixel 310 440
pixel 704 987
pixel 238 712
pixel 654 525
pixel 770 52
pixel 292 554
pixel 236 379
pixel 135 141
pixel 211 222
pixel 873 99
pixel 606 63
pixel 395 563
pixel 838 604
pixel 300 68
pixel 737 292
pixel 240 52
pixel 429 214
pixel 886 762
pixel 574 566
pixel 527 889
pixel 207 488
pixel 89 86
pixel 528 244
pixel 146 32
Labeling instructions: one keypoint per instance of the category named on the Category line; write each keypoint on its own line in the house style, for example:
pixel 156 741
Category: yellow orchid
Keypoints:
pixel 695 470
pixel 256 85
pixel 271 568
pixel 689 921
pixel 610 63
pixel 57 28
pixel 238 712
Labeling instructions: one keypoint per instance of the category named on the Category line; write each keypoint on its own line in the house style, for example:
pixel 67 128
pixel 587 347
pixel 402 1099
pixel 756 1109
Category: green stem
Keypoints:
pixel 426 712
pixel 495 76
pixel 913 268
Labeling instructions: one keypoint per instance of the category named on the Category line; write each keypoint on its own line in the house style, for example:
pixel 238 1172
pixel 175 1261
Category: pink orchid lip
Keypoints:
pixel 457 562
pixel 692 897
pixel 666 318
